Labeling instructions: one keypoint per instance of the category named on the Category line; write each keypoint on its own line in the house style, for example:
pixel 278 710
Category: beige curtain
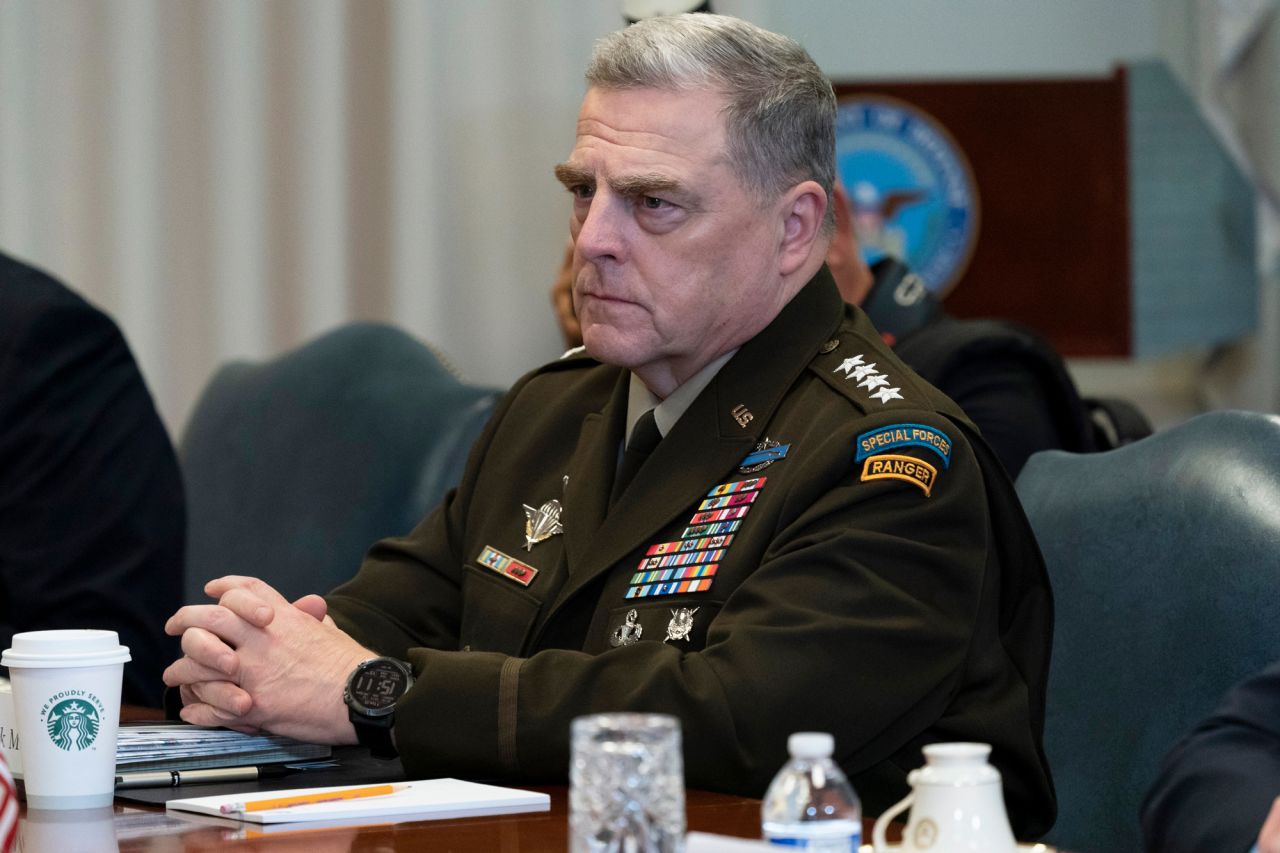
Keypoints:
pixel 231 177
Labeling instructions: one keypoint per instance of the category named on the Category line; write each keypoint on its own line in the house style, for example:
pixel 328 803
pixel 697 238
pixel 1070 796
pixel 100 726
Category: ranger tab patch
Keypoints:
pixel 891 466
pixel 904 435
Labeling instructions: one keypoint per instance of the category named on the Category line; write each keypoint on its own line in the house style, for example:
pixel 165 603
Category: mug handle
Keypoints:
pixel 877 832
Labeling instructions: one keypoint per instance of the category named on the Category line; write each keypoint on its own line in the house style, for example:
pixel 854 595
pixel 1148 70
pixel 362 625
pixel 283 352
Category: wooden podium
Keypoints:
pixel 1110 219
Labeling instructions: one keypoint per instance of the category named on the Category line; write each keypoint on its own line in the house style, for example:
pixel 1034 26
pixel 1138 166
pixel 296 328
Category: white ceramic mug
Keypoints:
pixel 956 805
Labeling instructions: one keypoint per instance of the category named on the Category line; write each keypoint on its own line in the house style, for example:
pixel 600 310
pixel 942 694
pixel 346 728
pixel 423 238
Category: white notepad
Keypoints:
pixel 427 799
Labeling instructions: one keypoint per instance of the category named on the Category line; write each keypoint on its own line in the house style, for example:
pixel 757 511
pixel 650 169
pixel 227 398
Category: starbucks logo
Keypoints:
pixel 73 725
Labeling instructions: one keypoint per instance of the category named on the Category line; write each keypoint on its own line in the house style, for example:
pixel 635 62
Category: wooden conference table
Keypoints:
pixel 129 827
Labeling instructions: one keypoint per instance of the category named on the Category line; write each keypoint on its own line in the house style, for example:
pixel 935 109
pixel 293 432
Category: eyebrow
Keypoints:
pixel 626 185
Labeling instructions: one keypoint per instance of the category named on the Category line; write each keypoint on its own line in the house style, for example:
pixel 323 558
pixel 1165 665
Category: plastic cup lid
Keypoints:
pixel 64 649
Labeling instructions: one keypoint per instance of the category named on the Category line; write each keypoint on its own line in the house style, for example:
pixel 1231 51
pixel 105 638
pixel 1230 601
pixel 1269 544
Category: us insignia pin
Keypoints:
pixel 681 624
pixel 542 523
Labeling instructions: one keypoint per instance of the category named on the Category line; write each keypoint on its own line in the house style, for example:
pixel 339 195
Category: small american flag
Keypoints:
pixel 8 808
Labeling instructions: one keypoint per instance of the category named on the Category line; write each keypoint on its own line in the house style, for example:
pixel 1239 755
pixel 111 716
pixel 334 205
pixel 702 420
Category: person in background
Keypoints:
pixel 92 513
pixel 736 506
pixel 1219 788
pixel 1005 377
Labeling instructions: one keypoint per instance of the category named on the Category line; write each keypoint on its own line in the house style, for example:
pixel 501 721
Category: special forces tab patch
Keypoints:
pixel 903 435
pixel 891 466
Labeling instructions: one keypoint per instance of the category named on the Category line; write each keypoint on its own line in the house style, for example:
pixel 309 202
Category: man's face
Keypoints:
pixel 675 261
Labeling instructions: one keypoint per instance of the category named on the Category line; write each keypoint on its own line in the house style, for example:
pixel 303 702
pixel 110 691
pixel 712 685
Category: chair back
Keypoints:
pixel 295 466
pixel 1164 558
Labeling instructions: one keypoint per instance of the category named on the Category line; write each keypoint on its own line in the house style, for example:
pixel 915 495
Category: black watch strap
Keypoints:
pixel 371 693
pixel 375 734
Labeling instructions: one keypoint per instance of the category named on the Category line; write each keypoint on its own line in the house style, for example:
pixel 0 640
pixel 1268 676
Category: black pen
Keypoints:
pixel 175 778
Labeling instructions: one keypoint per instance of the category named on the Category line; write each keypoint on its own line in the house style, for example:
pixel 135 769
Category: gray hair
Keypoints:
pixel 780 115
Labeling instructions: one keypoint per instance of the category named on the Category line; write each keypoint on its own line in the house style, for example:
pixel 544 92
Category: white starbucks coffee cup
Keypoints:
pixel 66 699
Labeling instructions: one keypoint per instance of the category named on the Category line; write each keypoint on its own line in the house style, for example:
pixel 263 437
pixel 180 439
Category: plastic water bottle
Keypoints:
pixel 810 804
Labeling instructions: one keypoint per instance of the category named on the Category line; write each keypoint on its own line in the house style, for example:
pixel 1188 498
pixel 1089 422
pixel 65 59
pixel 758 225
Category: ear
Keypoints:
pixel 802 208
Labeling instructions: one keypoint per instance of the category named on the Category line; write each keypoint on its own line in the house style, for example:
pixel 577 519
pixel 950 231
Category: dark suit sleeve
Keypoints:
pixel 92 521
pixel 1007 400
pixel 1217 785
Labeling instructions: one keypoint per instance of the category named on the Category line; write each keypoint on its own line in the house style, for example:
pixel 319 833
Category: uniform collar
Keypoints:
pixel 666 412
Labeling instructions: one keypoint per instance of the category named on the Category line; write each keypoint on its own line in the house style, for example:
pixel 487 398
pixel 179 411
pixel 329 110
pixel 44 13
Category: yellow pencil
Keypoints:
pixel 309 799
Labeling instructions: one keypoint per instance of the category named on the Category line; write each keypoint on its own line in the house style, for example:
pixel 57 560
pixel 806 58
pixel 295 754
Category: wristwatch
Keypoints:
pixel 372 690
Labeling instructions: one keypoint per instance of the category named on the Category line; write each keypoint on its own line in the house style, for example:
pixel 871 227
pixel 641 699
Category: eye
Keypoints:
pixel 582 192
pixel 650 202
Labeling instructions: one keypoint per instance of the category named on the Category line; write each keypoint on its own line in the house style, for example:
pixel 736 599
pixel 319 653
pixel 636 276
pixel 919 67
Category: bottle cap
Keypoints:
pixel 811 745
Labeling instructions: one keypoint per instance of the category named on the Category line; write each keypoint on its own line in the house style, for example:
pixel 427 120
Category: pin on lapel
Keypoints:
pixel 766 453
pixel 681 624
pixel 628 632
pixel 542 523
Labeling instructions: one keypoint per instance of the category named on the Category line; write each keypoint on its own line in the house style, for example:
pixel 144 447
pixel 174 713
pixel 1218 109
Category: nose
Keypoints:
pixel 600 234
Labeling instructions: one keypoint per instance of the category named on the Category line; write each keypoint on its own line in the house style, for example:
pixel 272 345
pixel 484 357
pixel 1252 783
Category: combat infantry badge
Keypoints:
pixel 541 523
pixel 681 624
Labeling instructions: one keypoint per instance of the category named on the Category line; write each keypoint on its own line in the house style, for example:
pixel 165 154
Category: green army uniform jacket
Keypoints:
pixel 875 579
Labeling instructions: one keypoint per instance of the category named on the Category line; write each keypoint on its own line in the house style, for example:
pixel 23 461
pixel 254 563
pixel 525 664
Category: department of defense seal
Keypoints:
pixel 910 187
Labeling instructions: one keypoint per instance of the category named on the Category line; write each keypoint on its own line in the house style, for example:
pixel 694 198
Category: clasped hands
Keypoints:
pixel 255 661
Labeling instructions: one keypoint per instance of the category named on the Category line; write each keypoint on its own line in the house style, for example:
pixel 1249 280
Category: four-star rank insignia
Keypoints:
pixel 856 369
pixel 541 523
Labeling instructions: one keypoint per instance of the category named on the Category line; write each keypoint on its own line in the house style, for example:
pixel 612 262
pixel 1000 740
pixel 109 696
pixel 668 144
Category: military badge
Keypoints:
pixel 891 466
pixel 884 395
pixel 904 435
pixel 628 633
pixel 766 453
pixel 542 523
pixel 847 366
pixel 508 567
pixel 681 624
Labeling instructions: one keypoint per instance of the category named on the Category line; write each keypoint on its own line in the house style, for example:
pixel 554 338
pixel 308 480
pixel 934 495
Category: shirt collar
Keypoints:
pixel 666 412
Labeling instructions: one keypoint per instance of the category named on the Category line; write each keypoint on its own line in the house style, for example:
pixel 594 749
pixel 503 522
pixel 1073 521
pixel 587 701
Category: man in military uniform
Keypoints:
pixel 800 534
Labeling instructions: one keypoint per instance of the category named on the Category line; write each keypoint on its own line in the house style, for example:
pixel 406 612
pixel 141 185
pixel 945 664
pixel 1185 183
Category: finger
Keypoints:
pixel 185 671
pixel 220 586
pixel 313 605
pixel 210 651
pixel 227 700
pixel 206 715
pixel 191 616
pixel 249 606
pixel 1269 838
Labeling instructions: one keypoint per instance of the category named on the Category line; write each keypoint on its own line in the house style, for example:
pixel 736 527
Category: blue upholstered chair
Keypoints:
pixel 295 466
pixel 1165 562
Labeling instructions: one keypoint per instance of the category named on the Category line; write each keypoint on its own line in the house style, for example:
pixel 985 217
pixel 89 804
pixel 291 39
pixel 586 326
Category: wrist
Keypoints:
pixel 372 692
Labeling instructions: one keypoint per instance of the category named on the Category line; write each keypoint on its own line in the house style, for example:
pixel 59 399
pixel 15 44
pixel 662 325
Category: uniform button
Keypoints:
pixel 830 346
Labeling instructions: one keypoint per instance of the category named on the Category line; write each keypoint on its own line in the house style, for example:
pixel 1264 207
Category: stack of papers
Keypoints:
pixel 428 799
pixel 170 746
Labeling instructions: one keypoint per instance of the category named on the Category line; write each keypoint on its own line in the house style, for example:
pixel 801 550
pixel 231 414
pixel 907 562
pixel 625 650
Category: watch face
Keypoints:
pixel 376 686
